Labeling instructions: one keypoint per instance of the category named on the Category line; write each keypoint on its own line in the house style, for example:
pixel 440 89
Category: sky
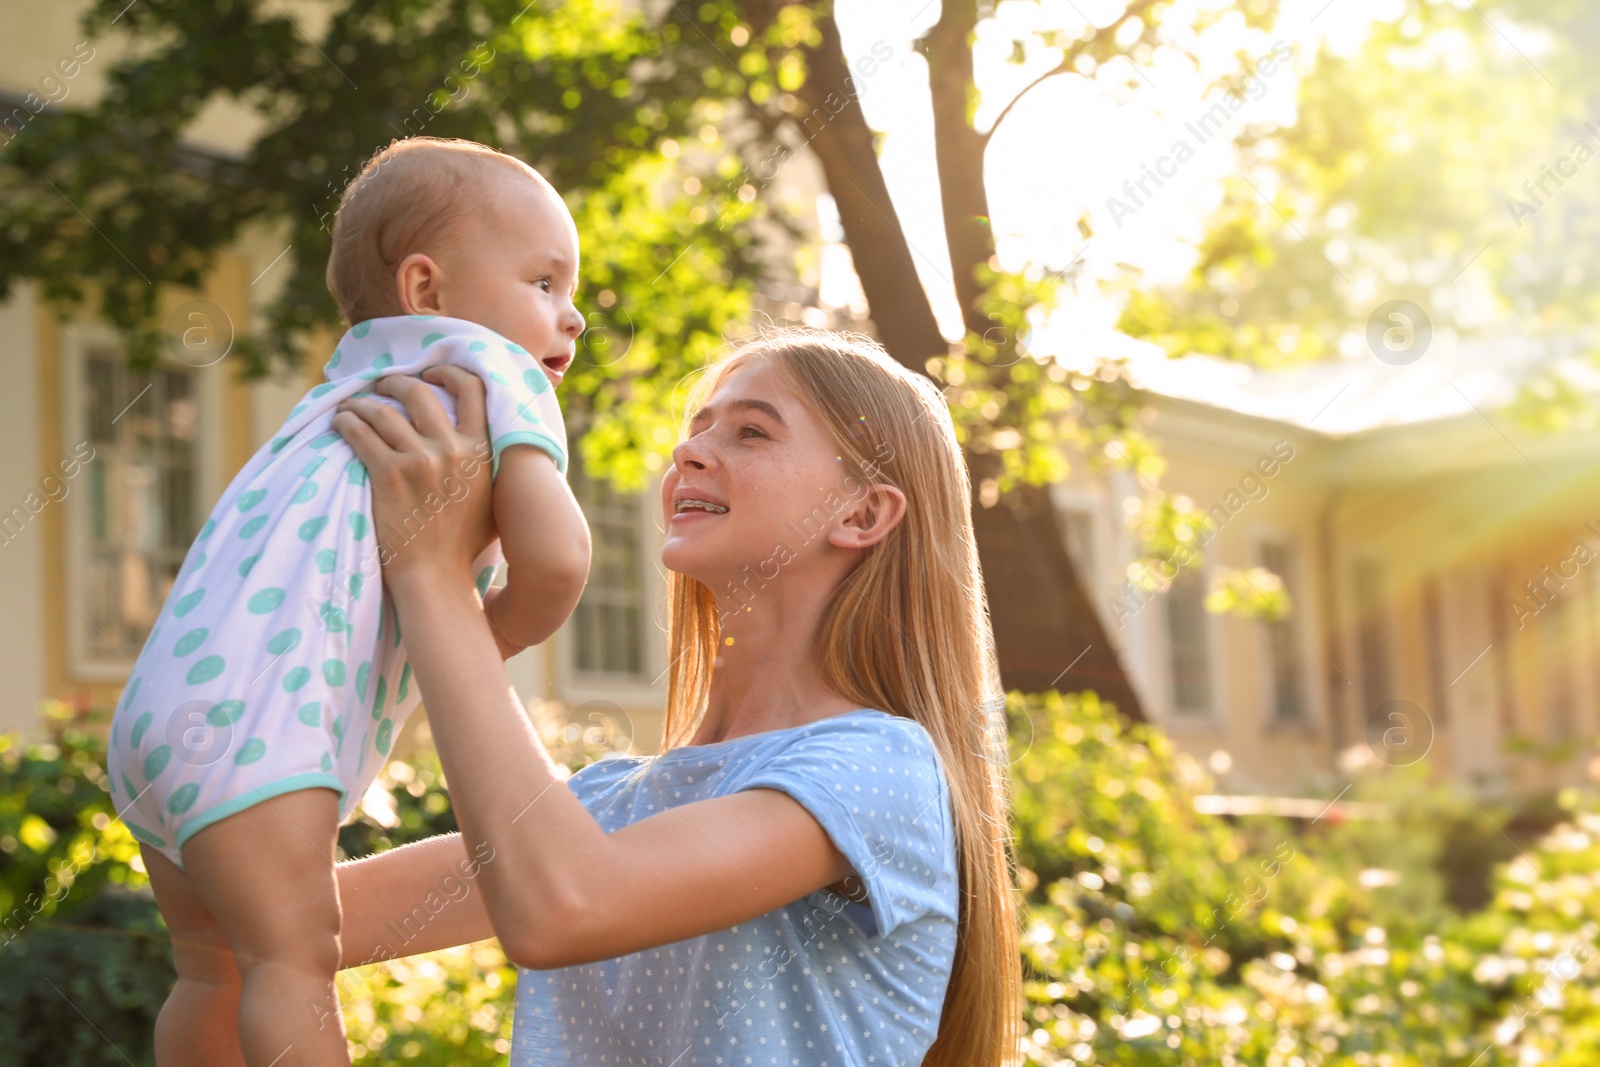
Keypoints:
pixel 1072 142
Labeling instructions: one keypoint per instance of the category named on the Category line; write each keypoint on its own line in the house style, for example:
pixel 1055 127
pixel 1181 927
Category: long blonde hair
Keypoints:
pixel 907 633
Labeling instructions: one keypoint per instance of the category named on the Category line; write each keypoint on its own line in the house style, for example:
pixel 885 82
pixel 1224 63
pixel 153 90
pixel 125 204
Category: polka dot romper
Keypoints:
pixel 276 663
pixel 820 982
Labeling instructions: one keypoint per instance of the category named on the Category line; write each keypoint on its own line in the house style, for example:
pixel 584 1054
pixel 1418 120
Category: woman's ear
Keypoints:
pixel 419 283
pixel 871 518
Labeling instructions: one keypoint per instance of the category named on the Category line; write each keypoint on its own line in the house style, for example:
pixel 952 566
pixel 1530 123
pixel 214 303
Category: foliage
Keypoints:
pixel 1412 170
pixel 1153 934
pixel 593 94
pixel 1159 936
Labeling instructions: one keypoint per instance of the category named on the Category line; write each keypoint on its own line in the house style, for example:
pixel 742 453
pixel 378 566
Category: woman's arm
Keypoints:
pixel 417 898
pixel 560 890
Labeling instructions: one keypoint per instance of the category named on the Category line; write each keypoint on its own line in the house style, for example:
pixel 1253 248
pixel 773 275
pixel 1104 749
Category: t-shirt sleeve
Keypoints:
pixel 878 788
pixel 520 401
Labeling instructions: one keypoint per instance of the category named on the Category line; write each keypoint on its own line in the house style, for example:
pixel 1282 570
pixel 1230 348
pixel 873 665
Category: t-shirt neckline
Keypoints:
pixel 714 745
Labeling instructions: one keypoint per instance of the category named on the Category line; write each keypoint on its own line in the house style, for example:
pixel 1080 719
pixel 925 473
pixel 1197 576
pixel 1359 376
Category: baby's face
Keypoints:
pixel 516 271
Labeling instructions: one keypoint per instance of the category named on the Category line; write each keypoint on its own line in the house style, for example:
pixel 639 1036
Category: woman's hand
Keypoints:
pixel 431 500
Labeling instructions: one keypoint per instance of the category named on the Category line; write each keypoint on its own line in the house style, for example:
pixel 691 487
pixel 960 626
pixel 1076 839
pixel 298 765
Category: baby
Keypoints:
pixel 275 680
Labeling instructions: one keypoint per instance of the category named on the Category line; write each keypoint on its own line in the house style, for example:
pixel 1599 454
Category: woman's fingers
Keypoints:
pixel 472 419
pixel 371 449
pixel 388 422
pixel 427 414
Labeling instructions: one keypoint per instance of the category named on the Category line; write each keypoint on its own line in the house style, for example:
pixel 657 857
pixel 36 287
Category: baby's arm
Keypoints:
pixel 546 544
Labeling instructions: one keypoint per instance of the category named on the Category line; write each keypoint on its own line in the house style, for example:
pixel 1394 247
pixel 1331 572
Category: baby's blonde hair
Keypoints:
pixel 412 196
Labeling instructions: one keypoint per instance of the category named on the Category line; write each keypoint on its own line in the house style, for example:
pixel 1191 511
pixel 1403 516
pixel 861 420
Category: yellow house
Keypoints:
pixel 1435 552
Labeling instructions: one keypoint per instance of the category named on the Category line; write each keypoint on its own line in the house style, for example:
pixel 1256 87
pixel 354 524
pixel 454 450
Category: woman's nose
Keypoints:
pixel 690 453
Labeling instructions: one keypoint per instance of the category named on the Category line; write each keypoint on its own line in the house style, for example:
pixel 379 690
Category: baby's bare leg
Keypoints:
pixel 198 1023
pixel 267 876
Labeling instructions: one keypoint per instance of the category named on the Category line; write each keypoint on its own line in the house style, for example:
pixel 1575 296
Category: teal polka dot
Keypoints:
pixel 182 798
pixel 326 439
pixel 311 714
pixel 206 669
pixel 362 673
pixel 205 531
pixel 379 365
pixel 513 347
pixel 338 728
pixel 133 687
pixel 396 627
pixel 405 684
pixel 296 679
pixel 156 762
pixel 327 762
pixel 298 408
pixel 128 786
pixel 476 346
pixel 198 560
pixel 535 380
pixel 357 581
pixel 287 641
pixel 226 713
pixel 245 565
pixel 385 736
pixel 252 750
pixel 265 601
pixel 484 577
pixel 323 389
pixel 306 491
pixel 431 338
pixel 187 602
pixel 141 834
pixel 360 329
pixel 356 471
pixel 190 641
pixel 338 354
pixel 139 727
pixel 422 318
pixel 251 499
pixel 333 618
pixel 251 528
pixel 326 560
pixel 333 671
pixel 311 527
pixel 311 468
pixel 380 699
pixel 499 379
pixel 278 443
pixel 358 524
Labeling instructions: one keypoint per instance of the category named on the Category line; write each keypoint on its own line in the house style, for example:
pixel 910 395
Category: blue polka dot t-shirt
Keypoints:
pixel 820 982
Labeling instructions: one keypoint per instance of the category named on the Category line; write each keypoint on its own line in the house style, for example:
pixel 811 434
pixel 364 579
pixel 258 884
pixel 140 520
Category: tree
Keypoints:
pixel 615 107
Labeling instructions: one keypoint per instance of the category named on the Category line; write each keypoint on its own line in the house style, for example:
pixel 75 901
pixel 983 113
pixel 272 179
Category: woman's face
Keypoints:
pixel 757 451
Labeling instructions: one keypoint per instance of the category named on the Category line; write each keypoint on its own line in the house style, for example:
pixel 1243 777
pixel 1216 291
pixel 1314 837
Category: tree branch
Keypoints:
pixel 1068 58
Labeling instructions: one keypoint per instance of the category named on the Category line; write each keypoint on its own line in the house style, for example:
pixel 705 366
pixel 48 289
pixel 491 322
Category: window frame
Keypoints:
pixel 1214 717
pixel 79 340
pixel 1295 585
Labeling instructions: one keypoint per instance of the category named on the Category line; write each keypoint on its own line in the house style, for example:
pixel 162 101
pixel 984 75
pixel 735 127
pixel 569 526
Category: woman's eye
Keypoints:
pixel 756 429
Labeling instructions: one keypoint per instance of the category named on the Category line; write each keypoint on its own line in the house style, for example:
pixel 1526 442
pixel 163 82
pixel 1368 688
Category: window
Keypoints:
pixel 1283 643
pixel 1372 635
pixel 608 624
pixel 142 505
pixel 1557 626
pixel 1188 644
pixel 1500 612
pixel 1433 648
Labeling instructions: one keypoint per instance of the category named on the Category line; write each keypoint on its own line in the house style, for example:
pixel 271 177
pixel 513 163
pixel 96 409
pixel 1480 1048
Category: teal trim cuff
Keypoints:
pixel 294 783
pixel 528 437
